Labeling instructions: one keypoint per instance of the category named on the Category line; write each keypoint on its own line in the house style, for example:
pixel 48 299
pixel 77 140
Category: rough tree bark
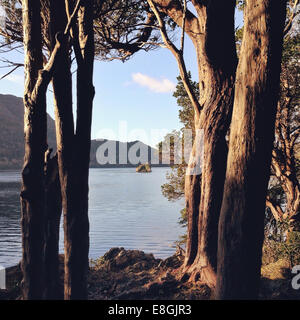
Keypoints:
pixel 53 215
pixel 241 223
pixel 35 125
pixel 76 207
pixel 212 33
pixel 284 167
pixel 35 129
pixel 62 89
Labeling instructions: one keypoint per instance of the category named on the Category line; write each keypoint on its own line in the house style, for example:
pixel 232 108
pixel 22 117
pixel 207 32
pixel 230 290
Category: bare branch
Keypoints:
pixel 178 54
pixel 292 17
pixel 183 26
pixel 11 71
pixel 275 209
pixel 45 75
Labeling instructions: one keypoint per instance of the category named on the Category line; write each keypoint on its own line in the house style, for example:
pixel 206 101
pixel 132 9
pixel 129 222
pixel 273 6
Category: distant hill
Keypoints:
pixel 128 154
pixel 12 132
pixel 12 140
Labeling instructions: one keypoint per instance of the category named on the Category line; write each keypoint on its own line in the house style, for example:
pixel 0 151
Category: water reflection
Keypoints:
pixel 126 209
pixel 10 239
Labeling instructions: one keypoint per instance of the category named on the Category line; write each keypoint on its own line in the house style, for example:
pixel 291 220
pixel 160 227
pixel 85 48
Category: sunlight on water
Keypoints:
pixel 126 209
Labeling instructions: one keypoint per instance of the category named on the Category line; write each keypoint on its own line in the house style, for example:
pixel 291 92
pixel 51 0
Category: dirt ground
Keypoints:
pixel 131 274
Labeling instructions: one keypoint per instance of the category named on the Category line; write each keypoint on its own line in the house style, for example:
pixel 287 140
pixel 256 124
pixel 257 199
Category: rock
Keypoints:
pixel 117 259
pixel 146 168
pixel 113 252
pixel 172 262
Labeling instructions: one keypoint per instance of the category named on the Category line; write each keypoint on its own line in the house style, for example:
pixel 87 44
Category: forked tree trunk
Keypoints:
pixel 65 136
pixel 76 216
pixel 217 61
pixel 62 89
pixel 212 33
pixel 53 215
pixel 241 223
pixel 74 148
pixel 33 184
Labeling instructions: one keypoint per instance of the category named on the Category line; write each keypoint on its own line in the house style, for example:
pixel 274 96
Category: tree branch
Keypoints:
pixel 275 209
pixel 173 9
pixel 183 26
pixel 45 75
pixel 292 17
pixel 178 54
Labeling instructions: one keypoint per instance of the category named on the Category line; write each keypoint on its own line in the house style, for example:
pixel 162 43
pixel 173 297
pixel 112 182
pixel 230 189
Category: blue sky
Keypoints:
pixel 138 91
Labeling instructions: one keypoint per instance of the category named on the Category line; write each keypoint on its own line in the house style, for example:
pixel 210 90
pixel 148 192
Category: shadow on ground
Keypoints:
pixel 131 274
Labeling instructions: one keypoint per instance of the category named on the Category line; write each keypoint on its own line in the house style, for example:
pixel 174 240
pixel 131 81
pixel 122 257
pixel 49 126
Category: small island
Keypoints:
pixel 146 168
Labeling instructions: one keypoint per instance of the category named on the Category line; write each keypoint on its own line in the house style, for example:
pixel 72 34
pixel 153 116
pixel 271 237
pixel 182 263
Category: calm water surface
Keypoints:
pixel 126 209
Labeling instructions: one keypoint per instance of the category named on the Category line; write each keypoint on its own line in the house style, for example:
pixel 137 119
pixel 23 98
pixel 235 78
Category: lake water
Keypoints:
pixel 126 209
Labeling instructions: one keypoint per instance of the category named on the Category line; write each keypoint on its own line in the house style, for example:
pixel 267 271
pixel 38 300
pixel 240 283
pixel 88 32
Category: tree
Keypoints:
pixel 186 113
pixel 284 180
pixel 34 189
pixel 53 216
pixel 122 28
pixel 284 203
pixel 74 166
pixel 175 10
pixel 282 200
pixel 33 182
pixel 212 33
pixel 62 90
pixel 77 224
pixel 55 22
pixel 173 189
pixel 241 225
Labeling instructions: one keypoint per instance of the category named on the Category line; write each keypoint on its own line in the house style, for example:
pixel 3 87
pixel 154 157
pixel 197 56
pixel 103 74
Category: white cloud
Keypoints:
pixel 156 85
pixel 15 78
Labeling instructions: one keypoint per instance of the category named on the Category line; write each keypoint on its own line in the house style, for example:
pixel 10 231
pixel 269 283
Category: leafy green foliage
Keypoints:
pixel 288 249
pixel 186 113
pixel 173 189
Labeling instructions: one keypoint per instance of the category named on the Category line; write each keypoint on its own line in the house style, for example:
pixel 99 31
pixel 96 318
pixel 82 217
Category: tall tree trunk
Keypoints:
pixel 33 184
pixel 217 61
pixel 53 215
pixel 76 220
pixel 241 223
pixel 212 33
pixel 65 136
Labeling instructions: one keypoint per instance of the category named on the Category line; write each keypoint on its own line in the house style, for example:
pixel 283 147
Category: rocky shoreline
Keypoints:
pixel 124 275
pixel 134 275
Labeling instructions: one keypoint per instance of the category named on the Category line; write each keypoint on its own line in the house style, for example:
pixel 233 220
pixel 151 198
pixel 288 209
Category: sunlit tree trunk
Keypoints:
pixel 33 184
pixel 217 60
pixel 241 225
pixel 211 30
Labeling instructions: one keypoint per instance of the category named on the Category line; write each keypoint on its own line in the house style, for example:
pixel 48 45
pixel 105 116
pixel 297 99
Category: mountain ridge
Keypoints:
pixel 12 139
